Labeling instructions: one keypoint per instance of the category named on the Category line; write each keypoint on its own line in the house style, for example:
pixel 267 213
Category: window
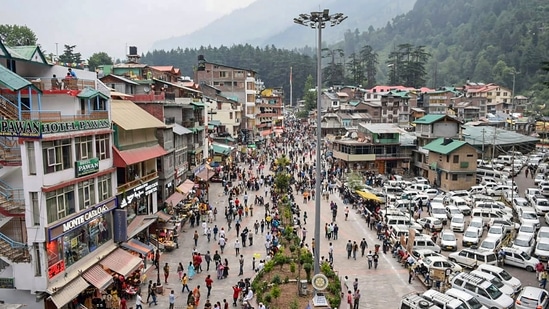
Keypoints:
pixel 102 146
pixel 35 208
pixel 57 155
pixel 84 149
pixel 222 74
pixel 470 287
pixel 470 155
pixel 86 193
pixel 37 260
pixel 60 203
pixel 456 159
pixel 105 187
pixel 454 177
pixel 31 156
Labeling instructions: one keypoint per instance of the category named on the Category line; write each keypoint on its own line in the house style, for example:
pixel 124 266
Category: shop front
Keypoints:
pixel 79 235
pixel 139 200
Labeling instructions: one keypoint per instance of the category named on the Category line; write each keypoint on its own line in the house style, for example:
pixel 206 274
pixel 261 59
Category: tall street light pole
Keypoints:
pixel 318 21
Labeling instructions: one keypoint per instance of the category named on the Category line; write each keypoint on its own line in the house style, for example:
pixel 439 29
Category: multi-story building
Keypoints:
pixel 235 83
pixel 222 109
pixel 57 180
pixel 269 105
pixel 439 101
pixel 452 164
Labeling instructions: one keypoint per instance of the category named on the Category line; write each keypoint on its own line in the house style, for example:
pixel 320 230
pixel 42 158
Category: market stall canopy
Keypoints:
pixel 69 292
pixel 121 262
pixel 186 186
pixel 137 246
pixel 206 173
pixel 163 216
pixel 175 198
pixel 367 195
pixel 139 223
pixel 98 277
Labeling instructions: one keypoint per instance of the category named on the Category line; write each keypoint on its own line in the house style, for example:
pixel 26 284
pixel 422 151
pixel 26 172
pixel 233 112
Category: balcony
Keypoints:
pixel 49 85
pixel 56 116
pixel 149 97
pixel 128 185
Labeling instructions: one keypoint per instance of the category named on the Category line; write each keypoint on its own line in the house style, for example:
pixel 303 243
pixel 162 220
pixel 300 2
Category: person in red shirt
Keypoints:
pixel 209 282
pixel 236 292
pixel 123 304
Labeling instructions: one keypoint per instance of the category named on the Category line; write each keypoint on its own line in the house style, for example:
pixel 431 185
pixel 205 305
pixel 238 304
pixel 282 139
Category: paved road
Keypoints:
pixel 382 287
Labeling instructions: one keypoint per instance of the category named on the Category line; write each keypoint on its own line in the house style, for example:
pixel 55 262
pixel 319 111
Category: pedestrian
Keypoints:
pixel 236 293
pixel 349 248
pixel 190 270
pixel 196 295
pixel 350 299
pixel 153 295
pixel 237 247
pixel 346 213
pixel 208 305
pixel 370 259
pixel 208 259
pixel 180 271
pixel 215 230
pixel 184 283
pixel 363 246
pixel 355 249
pixel 253 263
pixel 543 281
pixel 209 282
pixel 166 272
pixel 225 304
pixel 376 260
pixel 149 288
pixel 222 242
pixel 356 298
pixel 410 274
pixel 138 301
pixel 303 234
pixel 355 285
pixel 304 217
pixel 195 237
pixel 171 300
pixel 331 253
pixel 209 234
pixel 241 263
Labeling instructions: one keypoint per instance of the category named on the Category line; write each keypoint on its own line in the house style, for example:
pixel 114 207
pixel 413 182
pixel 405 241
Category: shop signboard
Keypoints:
pixel 86 167
pixel 56 269
pixel 80 219
pixel 7 283
pixel 20 128
pixel 144 189
pixel 77 125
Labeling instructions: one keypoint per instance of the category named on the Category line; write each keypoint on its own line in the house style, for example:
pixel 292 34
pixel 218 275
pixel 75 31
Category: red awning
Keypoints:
pixel 98 277
pixel 129 157
pixel 266 132
pixel 186 186
pixel 121 262
pixel 206 173
pixel 137 246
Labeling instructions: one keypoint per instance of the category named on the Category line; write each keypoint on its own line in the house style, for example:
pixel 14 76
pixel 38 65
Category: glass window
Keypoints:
pixel 102 146
pixel 84 148
pixel 105 187
pixel 57 155
pixel 35 208
pixel 60 203
pixel 37 260
pixel 31 156
pixel 86 193
pixel 456 159
pixel 76 244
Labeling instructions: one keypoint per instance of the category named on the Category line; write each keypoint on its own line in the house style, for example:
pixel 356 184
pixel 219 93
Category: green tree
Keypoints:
pixel 356 70
pixel 334 73
pixel 309 94
pixel 69 56
pixel 98 59
pixel 14 35
pixel 369 63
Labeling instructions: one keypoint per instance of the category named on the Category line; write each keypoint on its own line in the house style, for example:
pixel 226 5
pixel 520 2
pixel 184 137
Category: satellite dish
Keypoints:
pixel 147 89
pixel 354 135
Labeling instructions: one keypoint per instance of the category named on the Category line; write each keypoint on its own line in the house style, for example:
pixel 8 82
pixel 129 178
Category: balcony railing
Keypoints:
pixel 128 185
pixel 56 116
pixel 148 97
pixel 51 85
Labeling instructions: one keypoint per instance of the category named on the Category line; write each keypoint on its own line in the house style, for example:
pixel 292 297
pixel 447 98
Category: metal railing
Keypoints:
pixel 14 244
pixel 128 185
pixel 61 83
pixel 13 195
pixel 148 97
pixel 8 108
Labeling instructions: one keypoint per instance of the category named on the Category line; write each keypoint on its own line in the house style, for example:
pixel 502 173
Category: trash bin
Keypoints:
pixel 160 289
pixel 302 287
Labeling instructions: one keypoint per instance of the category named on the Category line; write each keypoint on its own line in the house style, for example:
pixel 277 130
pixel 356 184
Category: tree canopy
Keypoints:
pixel 14 35
pixel 69 56
pixel 98 59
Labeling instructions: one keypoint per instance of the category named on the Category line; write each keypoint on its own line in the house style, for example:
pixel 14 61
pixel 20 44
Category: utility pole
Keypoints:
pixel 483 142
pixel 513 91
pixel 494 145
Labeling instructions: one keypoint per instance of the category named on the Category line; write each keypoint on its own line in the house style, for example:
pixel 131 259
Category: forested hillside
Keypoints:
pixel 479 40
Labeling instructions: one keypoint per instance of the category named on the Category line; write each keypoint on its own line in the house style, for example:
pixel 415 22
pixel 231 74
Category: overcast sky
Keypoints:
pixel 101 25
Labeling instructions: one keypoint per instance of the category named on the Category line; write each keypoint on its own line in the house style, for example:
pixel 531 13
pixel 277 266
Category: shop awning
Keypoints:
pixel 69 292
pixel 175 198
pixel 98 277
pixel 129 157
pixel 266 132
pixel 140 223
pixel 186 186
pixel 137 246
pixel 367 195
pixel 163 216
pixel 206 173
pixel 121 262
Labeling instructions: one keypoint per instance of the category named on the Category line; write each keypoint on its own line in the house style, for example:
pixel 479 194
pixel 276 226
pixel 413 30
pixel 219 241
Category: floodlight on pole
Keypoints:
pixel 318 21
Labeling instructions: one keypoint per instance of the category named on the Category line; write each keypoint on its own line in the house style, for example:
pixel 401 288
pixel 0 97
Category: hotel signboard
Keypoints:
pixel 35 128
pixel 86 167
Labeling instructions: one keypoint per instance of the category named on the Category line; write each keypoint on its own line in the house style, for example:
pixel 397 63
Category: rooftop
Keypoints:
pixel 380 128
pixel 475 135
pixel 444 145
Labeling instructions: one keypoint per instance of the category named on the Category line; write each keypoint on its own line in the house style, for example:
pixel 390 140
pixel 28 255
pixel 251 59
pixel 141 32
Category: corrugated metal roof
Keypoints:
pixel 380 127
pixel 129 116
pixel 180 130
pixel 444 146
pixel 127 81
pixel 428 119
pixel 88 93
pixel 11 80
pixel 69 292
pixel 29 53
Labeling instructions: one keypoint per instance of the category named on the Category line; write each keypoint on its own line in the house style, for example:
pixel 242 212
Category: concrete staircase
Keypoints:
pixel 17 253
pixel 8 110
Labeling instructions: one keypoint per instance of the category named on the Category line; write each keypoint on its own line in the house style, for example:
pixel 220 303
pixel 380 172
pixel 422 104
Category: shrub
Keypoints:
pixel 276 280
pixel 308 267
pixel 292 267
pixel 268 298
pixel 334 301
pixel 294 304
pixel 268 266
pixel 275 292
pixel 286 279
pixel 292 248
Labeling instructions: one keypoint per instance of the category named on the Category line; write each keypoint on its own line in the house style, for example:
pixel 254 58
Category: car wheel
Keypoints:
pixel 452 260
pixel 530 268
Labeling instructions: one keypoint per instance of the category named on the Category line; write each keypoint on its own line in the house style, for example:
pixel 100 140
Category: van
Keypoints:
pixel 403 221
pixel 389 190
pixel 468 299
pixel 419 187
pixel 495 281
pixel 390 199
pixel 476 190
pixel 461 204
pixel 416 301
pixel 503 275
pixel 443 300
pixel 425 242
pixel 486 293
pixel 486 214
pixel 404 205
pixel 471 258
pixel 506 160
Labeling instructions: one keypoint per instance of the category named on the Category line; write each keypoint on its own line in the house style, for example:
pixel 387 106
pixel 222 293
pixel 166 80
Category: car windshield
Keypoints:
pixel 529 215
pixel 544 234
pixel 494 292
pixel 438 211
pixel 543 246
pixel 458 219
pixel 527 229
pixel 525 255
pixel 488 244
pixel 530 302
pixel 470 234
pixel 474 303
pixel 455 210
pixel 448 237
pixel 522 242
pixel 505 275
pixel 495 230
pixel 496 282
pixel 476 224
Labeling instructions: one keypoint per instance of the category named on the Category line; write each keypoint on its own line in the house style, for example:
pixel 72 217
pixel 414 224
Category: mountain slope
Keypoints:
pixel 265 23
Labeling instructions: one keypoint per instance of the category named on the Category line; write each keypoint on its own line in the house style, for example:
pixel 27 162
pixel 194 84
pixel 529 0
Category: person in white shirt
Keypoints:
pixel 248 296
pixel 261 306
pixel 138 302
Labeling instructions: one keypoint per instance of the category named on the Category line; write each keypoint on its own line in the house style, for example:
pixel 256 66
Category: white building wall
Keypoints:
pixel 445 129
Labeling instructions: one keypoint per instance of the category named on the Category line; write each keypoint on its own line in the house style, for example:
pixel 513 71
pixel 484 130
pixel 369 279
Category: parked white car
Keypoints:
pixel 471 237
pixel 527 229
pixel 543 232
pixel 542 249
pixel 448 241
pixel 518 258
pixel 438 262
pixel 524 242
pixel 458 223
pixel 528 215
